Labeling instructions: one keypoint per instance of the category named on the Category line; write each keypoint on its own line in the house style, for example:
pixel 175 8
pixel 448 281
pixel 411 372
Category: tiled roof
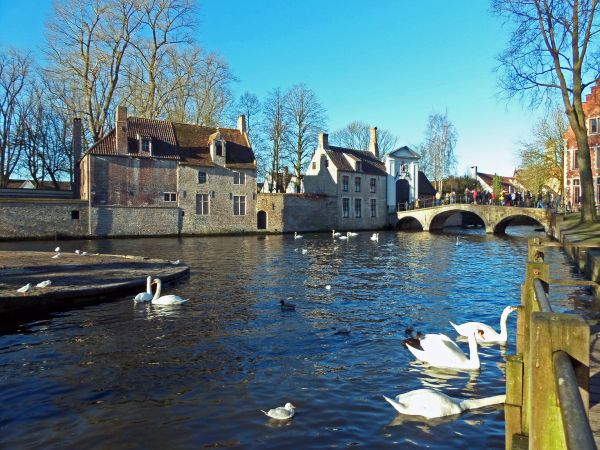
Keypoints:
pixel 180 141
pixel 369 162
pixel 489 179
pixel 425 187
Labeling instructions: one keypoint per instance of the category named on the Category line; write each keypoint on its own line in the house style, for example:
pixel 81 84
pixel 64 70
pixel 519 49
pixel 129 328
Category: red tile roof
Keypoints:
pixel 371 165
pixel 186 143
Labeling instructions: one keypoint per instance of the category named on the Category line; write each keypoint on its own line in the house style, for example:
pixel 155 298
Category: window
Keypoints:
pixel 597 157
pixel 239 205
pixel 326 162
pixel 201 177
pixel 75 214
pixel 146 144
pixel 373 184
pixel 345 208
pixel 373 207
pixel 575 163
pixel 345 179
pixel 202 202
pixel 594 125
pixel 219 148
pixel 239 178
pixel 169 196
pixel 357 208
pixel 314 165
pixel 358 166
pixel 357 184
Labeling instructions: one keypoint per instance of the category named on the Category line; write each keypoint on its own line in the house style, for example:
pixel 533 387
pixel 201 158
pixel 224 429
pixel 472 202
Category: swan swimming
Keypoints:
pixel 440 351
pixel 335 234
pixel 351 234
pixel 375 237
pixel 488 333
pixel 165 299
pixel 343 238
pixel 431 403
pixel 457 241
pixel 145 296
pixel 57 249
pixel 281 412
pixel 297 236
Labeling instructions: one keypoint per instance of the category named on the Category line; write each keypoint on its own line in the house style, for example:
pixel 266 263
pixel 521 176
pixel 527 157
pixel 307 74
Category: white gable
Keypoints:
pixel 404 153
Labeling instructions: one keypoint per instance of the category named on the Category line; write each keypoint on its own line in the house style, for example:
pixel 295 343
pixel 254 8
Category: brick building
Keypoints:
pixel 208 173
pixel 591 109
pixel 356 178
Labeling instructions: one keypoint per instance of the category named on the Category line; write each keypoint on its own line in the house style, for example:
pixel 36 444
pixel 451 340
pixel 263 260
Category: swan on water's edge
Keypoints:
pixel 431 403
pixel 281 412
pixel 25 288
pixel 488 334
pixel 44 284
pixel 145 296
pixel 297 236
pixel 165 299
pixel 56 256
pixel 287 306
pixel 439 350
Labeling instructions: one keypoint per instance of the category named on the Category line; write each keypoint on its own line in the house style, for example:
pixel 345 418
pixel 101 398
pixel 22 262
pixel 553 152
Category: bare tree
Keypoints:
pixel 306 117
pixel 249 106
pixel 276 129
pixel 356 135
pixel 87 43
pixel 150 78
pixel 541 158
pixel 438 159
pixel 553 46
pixel 15 68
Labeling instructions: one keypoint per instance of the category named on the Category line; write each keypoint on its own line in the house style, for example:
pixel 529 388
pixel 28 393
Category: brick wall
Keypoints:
pixel 141 221
pixel 297 212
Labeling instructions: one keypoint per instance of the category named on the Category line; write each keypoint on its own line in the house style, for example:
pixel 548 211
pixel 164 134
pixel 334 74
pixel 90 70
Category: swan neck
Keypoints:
pixel 473 354
pixel 149 285
pixel 503 329
pixel 158 286
pixel 481 402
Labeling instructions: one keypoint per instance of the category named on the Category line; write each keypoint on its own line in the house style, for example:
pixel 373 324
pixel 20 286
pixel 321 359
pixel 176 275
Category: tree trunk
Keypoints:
pixel 586 181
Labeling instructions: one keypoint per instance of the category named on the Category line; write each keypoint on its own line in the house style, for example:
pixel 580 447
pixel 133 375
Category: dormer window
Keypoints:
pixel 145 144
pixel 358 166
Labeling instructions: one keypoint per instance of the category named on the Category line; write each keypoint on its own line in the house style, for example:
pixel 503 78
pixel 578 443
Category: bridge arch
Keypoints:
pixel 500 226
pixel 410 223
pixel 438 220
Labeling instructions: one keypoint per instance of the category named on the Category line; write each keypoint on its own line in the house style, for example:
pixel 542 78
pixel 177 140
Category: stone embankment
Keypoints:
pixel 76 280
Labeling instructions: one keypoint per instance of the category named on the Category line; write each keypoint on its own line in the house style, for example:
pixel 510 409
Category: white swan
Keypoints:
pixel 281 412
pixel 145 296
pixel 343 238
pixel 335 234
pixel 488 333
pixel 375 237
pixel 165 299
pixel 44 284
pixel 297 236
pixel 431 403
pixel 57 249
pixel 439 350
pixel 56 256
pixel 457 241
pixel 351 234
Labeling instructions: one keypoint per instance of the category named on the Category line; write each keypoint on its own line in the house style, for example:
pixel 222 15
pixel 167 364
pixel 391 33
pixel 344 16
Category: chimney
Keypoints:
pixel 323 140
pixel 76 146
pixel 474 172
pixel 373 147
pixel 121 129
pixel 241 124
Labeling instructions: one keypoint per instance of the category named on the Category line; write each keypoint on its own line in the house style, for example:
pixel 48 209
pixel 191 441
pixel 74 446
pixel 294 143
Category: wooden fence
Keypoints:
pixel 547 395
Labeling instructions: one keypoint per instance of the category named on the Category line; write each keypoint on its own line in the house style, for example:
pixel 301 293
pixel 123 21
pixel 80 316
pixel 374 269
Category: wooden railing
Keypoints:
pixel 547 395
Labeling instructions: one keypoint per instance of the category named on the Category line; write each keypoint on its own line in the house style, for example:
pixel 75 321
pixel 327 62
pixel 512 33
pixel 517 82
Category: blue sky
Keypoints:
pixel 389 63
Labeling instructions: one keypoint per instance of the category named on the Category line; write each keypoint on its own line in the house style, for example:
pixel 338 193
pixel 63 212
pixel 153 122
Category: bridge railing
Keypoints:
pixel 463 200
pixel 547 395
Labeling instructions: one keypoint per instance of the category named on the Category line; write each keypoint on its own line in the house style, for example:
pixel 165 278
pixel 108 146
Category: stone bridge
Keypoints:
pixel 494 218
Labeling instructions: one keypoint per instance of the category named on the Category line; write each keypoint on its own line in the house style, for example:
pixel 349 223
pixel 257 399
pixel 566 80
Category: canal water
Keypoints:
pixel 119 375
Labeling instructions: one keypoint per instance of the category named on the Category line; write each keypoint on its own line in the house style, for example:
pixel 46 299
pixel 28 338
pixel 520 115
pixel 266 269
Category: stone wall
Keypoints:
pixel 297 212
pixel 51 219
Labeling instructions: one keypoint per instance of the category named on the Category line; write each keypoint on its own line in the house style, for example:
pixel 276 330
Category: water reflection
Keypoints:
pixel 119 375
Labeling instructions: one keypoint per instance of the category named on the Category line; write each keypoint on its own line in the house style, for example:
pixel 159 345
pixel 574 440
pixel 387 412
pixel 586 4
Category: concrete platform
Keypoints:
pixel 76 280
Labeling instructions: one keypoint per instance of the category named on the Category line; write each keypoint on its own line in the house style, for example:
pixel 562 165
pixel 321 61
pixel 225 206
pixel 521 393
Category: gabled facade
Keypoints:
pixel 357 180
pixel 591 110
pixel 402 166
pixel 208 173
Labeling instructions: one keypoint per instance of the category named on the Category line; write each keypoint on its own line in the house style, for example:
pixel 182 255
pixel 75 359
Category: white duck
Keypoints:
pixel 145 296
pixel 489 335
pixel 375 237
pixel 281 412
pixel 297 236
pixel 351 234
pixel 165 299
pixel 439 350
pixel 335 234
pixel 431 403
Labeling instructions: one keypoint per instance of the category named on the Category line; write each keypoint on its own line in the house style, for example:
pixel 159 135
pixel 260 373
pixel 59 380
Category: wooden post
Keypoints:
pixel 529 306
pixel 549 333
pixel 514 398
